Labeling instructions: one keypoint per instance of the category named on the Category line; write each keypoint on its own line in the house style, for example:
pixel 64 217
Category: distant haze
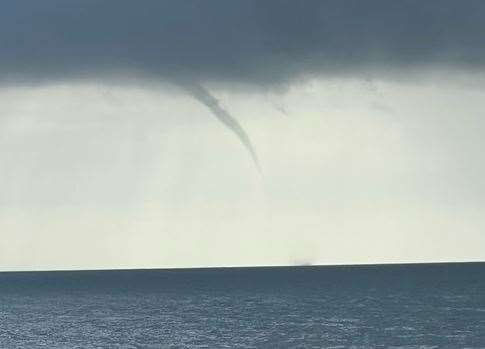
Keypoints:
pixel 190 133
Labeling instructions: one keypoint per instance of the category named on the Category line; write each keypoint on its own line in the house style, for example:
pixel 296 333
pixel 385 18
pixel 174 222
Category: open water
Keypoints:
pixel 383 306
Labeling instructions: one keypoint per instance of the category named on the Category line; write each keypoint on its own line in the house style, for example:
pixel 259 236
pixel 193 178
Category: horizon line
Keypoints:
pixel 300 266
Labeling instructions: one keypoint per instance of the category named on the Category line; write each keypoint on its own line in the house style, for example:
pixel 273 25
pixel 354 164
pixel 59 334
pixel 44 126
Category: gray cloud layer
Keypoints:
pixel 250 41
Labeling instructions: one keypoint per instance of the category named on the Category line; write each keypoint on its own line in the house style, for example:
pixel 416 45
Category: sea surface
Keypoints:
pixel 384 306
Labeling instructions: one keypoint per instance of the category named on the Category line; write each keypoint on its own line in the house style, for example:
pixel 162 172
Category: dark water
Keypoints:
pixel 413 306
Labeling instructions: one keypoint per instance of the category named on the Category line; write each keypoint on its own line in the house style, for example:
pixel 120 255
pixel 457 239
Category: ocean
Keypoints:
pixel 381 306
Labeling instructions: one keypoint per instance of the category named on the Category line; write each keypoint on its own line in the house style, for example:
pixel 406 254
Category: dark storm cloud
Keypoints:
pixel 260 41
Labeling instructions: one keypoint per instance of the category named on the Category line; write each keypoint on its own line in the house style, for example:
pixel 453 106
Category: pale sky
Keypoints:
pixel 119 166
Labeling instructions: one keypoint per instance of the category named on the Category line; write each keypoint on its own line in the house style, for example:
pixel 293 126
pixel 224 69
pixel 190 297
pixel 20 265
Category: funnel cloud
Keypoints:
pixel 202 95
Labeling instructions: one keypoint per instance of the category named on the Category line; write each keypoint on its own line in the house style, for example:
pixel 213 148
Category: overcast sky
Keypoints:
pixel 217 133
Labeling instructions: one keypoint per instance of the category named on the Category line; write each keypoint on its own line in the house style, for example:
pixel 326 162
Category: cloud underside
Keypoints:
pixel 259 42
